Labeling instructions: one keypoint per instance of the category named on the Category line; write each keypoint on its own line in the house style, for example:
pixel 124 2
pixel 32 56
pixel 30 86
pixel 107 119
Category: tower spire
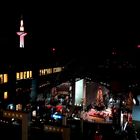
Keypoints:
pixel 21 23
pixel 21 33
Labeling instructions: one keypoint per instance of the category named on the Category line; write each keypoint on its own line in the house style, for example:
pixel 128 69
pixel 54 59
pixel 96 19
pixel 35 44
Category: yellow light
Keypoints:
pixel 17 76
pixel 18 107
pixel 1 78
pixel 5 78
pixel 5 95
pixel 30 74
pixel 44 72
pixel 58 69
pixel 25 74
pixel 21 75
pixel 49 71
pixel 40 72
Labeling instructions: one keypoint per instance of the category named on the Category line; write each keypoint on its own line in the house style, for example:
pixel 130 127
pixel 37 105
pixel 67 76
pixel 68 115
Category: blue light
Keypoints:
pixel 56 116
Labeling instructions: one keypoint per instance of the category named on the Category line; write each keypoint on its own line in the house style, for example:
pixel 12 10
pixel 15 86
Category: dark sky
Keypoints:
pixel 74 27
pixel 87 32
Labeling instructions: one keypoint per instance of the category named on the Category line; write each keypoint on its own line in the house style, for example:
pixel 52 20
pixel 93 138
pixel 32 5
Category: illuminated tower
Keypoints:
pixel 21 33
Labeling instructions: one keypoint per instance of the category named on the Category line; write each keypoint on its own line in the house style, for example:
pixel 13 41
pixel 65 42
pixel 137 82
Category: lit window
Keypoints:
pixel 49 71
pixel 5 78
pixel 5 95
pixel 17 76
pixel 1 78
pixel 18 107
pixel 58 69
pixel 44 72
pixel 25 74
pixel 28 74
pixel 21 75
pixel 40 72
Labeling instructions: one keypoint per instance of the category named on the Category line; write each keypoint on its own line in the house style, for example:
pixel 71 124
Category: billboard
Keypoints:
pixel 79 92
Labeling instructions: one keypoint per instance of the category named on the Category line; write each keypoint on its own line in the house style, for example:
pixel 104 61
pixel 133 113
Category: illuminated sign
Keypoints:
pixel 58 69
pixel 79 92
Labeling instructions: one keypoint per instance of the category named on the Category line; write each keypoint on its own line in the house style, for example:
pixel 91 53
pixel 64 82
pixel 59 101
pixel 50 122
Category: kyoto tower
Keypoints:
pixel 21 33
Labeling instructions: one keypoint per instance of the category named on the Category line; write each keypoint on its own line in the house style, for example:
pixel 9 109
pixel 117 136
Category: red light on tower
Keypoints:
pixel 21 34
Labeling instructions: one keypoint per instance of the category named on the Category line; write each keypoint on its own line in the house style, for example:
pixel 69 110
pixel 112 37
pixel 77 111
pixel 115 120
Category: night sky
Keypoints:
pixel 86 37
pixel 77 29
pixel 73 25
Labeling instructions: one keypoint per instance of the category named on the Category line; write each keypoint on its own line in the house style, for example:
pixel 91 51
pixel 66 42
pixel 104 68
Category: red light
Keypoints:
pixel 53 49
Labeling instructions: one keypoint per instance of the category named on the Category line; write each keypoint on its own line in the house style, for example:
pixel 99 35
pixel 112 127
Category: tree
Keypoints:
pixel 99 99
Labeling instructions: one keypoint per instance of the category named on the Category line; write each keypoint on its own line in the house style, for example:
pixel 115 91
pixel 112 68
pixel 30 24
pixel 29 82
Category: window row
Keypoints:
pixel 50 71
pixel 28 74
pixel 23 75
pixel 45 71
